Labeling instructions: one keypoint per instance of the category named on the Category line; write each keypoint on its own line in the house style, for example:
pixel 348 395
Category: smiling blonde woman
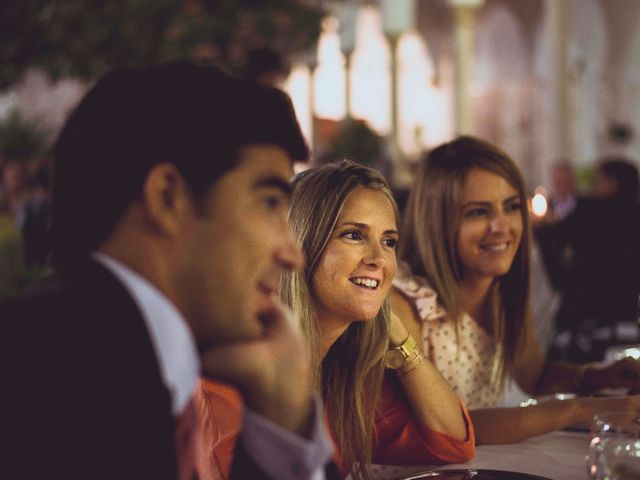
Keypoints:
pixel 465 293
pixel 384 402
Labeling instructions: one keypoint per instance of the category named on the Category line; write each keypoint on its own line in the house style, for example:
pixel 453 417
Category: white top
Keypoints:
pixel 170 335
pixel 279 452
pixel 469 364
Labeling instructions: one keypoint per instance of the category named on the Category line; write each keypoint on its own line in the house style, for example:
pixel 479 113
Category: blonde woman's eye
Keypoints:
pixel 390 242
pixel 351 235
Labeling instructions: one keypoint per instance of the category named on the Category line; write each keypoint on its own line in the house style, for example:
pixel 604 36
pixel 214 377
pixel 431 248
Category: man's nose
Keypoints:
pixel 290 255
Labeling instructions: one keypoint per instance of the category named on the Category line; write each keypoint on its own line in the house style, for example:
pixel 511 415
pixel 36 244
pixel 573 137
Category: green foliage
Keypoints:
pixel 584 176
pixel 357 142
pixel 84 38
pixel 21 140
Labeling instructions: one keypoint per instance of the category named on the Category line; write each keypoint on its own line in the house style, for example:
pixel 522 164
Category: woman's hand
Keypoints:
pixel 623 373
pixel 594 405
pixel 398 333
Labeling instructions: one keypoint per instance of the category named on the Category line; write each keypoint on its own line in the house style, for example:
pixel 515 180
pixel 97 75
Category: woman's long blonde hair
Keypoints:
pixel 430 229
pixel 350 376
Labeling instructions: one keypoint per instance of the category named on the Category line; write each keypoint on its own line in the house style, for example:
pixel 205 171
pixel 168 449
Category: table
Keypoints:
pixel 557 455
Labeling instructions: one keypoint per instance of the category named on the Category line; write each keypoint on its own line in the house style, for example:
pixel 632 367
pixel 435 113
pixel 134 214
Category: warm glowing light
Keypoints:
pixel 422 106
pixel 424 115
pixel 297 86
pixel 539 205
pixel 370 75
pixel 300 167
pixel 328 81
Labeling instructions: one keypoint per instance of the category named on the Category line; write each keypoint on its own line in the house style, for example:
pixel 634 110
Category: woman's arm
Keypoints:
pixel 432 400
pixel 536 377
pixel 508 425
pixel 563 377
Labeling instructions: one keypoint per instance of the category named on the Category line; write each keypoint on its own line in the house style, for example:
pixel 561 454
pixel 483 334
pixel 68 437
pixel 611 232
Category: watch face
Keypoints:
pixel 394 359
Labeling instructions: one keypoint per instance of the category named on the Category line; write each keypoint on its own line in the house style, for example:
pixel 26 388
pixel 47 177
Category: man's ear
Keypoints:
pixel 166 198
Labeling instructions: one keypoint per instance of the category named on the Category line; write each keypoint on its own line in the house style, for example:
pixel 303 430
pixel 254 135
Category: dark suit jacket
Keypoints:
pixel 81 392
pixel 81 395
pixel 601 281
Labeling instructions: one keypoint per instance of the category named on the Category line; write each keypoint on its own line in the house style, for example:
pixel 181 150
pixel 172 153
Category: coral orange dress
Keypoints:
pixel 221 419
pixel 399 440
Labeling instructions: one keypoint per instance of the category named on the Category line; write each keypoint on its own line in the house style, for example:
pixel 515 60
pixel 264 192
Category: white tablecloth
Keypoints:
pixel 557 455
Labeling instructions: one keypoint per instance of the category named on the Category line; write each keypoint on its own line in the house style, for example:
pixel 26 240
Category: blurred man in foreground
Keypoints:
pixel 169 234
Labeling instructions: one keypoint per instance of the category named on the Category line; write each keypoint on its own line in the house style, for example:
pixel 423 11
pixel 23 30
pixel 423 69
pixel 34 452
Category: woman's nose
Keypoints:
pixel 374 255
pixel 498 223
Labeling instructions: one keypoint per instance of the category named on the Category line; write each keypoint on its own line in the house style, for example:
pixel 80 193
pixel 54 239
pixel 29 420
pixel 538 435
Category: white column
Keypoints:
pixel 557 16
pixel 347 16
pixel 393 46
pixel 398 17
pixel 311 61
pixel 465 15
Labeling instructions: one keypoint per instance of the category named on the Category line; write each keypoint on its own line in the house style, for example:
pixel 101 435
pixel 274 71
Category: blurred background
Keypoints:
pixel 555 83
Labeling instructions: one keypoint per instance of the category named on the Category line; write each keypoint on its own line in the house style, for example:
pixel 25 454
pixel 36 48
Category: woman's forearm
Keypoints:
pixel 433 402
pixel 508 425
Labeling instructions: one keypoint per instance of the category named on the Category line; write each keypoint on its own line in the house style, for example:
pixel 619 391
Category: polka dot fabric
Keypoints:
pixel 468 366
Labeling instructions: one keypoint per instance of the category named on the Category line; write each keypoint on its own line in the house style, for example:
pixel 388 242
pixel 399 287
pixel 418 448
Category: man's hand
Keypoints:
pixel 273 372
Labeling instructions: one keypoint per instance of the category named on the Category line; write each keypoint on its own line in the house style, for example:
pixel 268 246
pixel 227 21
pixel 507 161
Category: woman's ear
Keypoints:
pixel 166 198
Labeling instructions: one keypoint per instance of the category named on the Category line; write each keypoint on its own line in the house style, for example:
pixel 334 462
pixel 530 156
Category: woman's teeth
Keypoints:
pixel 499 247
pixel 366 282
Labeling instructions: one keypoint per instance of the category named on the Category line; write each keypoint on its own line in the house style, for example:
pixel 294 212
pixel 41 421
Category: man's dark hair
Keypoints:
pixel 264 60
pixel 133 119
pixel 625 175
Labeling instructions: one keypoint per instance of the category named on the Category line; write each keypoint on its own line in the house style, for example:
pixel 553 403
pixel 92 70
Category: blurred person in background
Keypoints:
pixel 12 264
pixel 36 219
pixel 465 291
pixel 601 277
pixel 564 194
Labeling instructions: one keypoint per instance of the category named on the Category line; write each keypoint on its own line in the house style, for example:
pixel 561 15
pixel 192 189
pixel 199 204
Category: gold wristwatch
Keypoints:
pixel 397 357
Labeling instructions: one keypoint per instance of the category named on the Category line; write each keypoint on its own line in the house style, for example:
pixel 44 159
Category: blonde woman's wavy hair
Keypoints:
pixel 430 228
pixel 349 377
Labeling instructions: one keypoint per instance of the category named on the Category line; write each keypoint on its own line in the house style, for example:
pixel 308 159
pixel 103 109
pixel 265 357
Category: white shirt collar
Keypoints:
pixel 170 335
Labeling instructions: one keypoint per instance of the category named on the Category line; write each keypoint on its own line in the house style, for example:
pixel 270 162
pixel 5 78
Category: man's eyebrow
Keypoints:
pixel 273 181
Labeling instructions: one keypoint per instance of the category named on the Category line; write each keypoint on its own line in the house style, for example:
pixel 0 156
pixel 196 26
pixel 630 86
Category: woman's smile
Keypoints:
pixel 354 273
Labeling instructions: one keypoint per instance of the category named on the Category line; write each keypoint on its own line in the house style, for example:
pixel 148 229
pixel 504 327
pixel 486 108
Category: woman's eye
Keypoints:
pixel 351 235
pixel 390 242
pixel 514 207
pixel 475 212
